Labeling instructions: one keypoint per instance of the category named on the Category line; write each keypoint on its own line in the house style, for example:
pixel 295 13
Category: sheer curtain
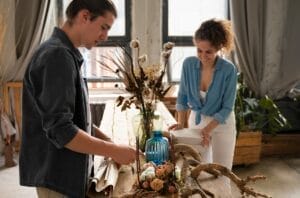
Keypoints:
pixel 26 24
pixel 23 25
pixel 7 41
pixel 266 44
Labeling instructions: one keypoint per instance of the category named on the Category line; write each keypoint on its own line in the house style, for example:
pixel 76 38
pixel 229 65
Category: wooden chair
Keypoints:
pixel 12 95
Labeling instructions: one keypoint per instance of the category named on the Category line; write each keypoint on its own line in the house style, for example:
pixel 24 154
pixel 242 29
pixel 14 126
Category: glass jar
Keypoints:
pixel 140 130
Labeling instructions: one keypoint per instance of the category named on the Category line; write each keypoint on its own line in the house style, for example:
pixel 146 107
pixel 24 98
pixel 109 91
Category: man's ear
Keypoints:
pixel 84 15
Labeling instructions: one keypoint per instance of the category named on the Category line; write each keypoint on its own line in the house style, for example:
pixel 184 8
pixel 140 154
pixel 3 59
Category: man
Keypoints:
pixel 56 119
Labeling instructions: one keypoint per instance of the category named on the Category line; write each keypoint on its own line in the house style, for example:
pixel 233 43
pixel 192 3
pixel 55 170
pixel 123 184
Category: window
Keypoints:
pixel 118 35
pixel 180 20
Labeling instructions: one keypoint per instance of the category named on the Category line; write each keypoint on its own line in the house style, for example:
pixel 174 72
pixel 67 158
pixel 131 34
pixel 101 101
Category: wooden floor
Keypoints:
pixel 283 179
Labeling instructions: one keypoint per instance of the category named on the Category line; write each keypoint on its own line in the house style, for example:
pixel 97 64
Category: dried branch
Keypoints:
pixel 186 149
pixel 138 162
pixel 141 193
pixel 187 192
pixel 241 183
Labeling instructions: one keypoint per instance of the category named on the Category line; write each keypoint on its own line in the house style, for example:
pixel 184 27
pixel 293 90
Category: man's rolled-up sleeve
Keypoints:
pixel 55 94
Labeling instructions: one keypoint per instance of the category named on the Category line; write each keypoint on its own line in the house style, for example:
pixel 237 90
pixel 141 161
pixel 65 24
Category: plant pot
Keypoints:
pixel 248 148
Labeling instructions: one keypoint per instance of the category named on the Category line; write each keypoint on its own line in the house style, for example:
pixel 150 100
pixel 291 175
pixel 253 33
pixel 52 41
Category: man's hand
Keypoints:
pixel 123 154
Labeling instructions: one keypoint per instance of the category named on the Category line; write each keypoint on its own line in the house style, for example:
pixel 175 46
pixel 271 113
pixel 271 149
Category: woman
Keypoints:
pixel 208 89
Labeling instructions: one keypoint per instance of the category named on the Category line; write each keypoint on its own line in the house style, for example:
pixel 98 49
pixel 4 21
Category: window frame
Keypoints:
pixel 180 41
pixel 115 41
pixel 111 42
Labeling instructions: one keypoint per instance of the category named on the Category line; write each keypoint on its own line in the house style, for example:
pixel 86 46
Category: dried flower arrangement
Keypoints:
pixel 142 80
pixel 160 180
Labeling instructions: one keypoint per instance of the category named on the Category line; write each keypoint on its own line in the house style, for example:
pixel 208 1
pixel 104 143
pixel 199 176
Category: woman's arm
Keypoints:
pixel 181 120
pixel 228 98
pixel 182 101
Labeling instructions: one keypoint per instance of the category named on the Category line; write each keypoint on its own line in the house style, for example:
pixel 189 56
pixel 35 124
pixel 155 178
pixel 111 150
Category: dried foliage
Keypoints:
pixel 143 80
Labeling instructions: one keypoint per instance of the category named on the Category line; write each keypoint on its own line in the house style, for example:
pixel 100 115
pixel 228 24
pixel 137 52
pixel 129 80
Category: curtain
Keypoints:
pixel 30 23
pixel 290 67
pixel 23 26
pixel 97 110
pixel 276 18
pixel 7 42
pixel 266 44
pixel 248 24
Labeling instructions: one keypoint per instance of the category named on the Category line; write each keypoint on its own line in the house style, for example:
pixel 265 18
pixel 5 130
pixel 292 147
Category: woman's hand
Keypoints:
pixel 175 127
pixel 206 137
pixel 206 132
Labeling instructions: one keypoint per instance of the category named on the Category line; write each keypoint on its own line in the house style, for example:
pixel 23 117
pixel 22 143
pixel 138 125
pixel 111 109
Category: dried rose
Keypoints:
pixel 172 189
pixel 157 184
pixel 160 171
pixel 169 167
pixel 145 184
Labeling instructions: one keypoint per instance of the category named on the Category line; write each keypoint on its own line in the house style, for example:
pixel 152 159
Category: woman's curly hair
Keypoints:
pixel 218 32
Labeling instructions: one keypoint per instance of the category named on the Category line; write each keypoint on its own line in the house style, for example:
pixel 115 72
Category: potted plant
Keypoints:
pixel 254 116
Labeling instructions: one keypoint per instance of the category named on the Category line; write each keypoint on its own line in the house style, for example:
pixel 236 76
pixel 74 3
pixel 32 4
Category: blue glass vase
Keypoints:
pixel 157 148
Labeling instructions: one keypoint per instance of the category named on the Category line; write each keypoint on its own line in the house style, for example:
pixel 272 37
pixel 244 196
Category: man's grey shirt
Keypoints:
pixel 54 107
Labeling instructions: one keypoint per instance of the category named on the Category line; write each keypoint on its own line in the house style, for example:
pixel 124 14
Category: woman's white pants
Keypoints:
pixel 223 137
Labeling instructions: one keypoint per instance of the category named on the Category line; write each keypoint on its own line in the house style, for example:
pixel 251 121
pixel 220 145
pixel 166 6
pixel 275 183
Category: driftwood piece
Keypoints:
pixel 190 171
pixel 141 193
pixel 223 171
pixel 184 149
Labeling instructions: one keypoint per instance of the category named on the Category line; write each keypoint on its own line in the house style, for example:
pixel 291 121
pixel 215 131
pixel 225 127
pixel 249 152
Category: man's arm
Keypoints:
pixel 84 143
pixel 99 134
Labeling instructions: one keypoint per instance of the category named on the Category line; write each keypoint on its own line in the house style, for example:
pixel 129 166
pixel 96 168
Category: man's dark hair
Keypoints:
pixel 95 7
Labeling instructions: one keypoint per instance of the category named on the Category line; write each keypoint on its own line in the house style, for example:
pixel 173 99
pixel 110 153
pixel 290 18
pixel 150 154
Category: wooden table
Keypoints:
pixel 118 126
